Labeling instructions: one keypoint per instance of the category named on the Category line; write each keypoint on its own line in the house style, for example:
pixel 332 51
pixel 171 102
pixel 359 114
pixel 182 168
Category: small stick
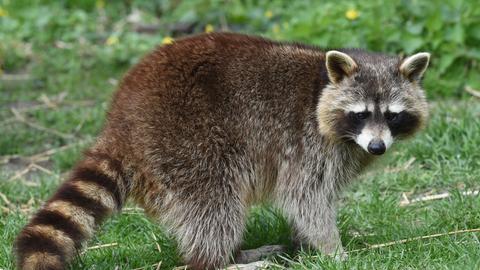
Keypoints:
pixel 409 163
pixel 101 246
pixel 5 199
pixel 472 91
pixel 21 173
pixel 48 102
pixel 405 200
pixel 34 125
pixel 444 195
pixel 52 151
pixel 43 169
pixel 44 155
pixel 15 77
pixel 402 241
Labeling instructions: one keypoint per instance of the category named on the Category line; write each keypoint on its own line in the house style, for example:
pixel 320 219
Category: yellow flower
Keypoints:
pixel 352 14
pixel 3 12
pixel 268 14
pixel 111 40
pixel 209 28
pixel 100 4
pixel 167 40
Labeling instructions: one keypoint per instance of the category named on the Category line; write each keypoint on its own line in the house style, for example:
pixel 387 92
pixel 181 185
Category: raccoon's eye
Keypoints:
pixel 362 115
pixel 389 116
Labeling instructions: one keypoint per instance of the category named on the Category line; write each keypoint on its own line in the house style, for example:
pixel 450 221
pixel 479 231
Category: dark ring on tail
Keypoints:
pixel 31 242
pixel 71 194
pixel 61 223
pixel 93 176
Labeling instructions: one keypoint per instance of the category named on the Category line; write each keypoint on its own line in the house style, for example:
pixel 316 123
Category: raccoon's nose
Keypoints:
pixel 376 147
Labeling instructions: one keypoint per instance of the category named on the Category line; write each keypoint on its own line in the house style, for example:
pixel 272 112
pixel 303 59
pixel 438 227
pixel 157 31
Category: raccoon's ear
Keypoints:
pixel 339 65
pixel 414 66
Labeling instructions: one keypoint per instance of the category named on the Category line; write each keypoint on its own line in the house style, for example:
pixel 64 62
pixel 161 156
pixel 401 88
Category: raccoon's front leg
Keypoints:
pixel 314 220
pixel 318 231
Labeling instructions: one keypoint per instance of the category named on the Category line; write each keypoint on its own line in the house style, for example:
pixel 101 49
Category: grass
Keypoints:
pixel 61 62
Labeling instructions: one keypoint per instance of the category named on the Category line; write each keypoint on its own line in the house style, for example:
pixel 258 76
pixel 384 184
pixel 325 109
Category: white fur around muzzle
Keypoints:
pixel 368 134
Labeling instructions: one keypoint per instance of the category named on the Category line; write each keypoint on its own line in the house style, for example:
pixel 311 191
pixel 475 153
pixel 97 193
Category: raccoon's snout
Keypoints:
pixel 376 147
pixel 375 141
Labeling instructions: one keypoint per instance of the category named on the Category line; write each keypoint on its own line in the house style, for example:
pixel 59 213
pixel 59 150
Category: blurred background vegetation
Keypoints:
pixel 46 38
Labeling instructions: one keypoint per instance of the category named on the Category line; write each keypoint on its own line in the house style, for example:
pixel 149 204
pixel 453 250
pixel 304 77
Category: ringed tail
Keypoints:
pixel 95 190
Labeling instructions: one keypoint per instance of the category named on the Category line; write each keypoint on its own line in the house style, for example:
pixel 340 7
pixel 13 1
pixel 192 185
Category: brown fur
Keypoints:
pixel 197 132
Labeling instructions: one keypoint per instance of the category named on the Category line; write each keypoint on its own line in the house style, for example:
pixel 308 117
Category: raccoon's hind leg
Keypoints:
pixel 208 223
pixel 96 189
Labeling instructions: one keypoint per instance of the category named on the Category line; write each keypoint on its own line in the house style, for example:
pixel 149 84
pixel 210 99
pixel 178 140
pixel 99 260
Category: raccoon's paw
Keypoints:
pixel 253 255
pixel 339 254
pixel 250 266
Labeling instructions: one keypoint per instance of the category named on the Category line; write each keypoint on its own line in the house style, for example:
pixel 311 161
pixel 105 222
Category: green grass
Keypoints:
pixel 67 51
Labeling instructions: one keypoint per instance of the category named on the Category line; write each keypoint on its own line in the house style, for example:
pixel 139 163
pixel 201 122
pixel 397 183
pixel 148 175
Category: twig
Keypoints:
pixel 45 154
pixel 15 77
pixel 387 244
pixel 99 247
pixel 405 198
pixel 21 173
pixel 48 102
pixel 102 246
pixel 22 119
pixel 28 169
pixel 39 156
pixel 5 199
pixel 472 91
pixel 405 201
pixel 43 169
pixel 409 163
pixel 56 102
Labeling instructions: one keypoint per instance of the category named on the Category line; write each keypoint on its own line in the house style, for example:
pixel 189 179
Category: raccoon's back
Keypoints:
pixel 214 94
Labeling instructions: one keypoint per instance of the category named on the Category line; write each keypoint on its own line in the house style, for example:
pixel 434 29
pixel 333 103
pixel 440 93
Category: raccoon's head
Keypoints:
pixel 372 99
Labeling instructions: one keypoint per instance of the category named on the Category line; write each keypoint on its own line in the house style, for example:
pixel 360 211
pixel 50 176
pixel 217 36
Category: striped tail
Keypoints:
pixel 96 189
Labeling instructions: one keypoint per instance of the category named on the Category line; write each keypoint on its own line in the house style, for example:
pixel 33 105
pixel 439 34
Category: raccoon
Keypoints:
pixel 205 127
